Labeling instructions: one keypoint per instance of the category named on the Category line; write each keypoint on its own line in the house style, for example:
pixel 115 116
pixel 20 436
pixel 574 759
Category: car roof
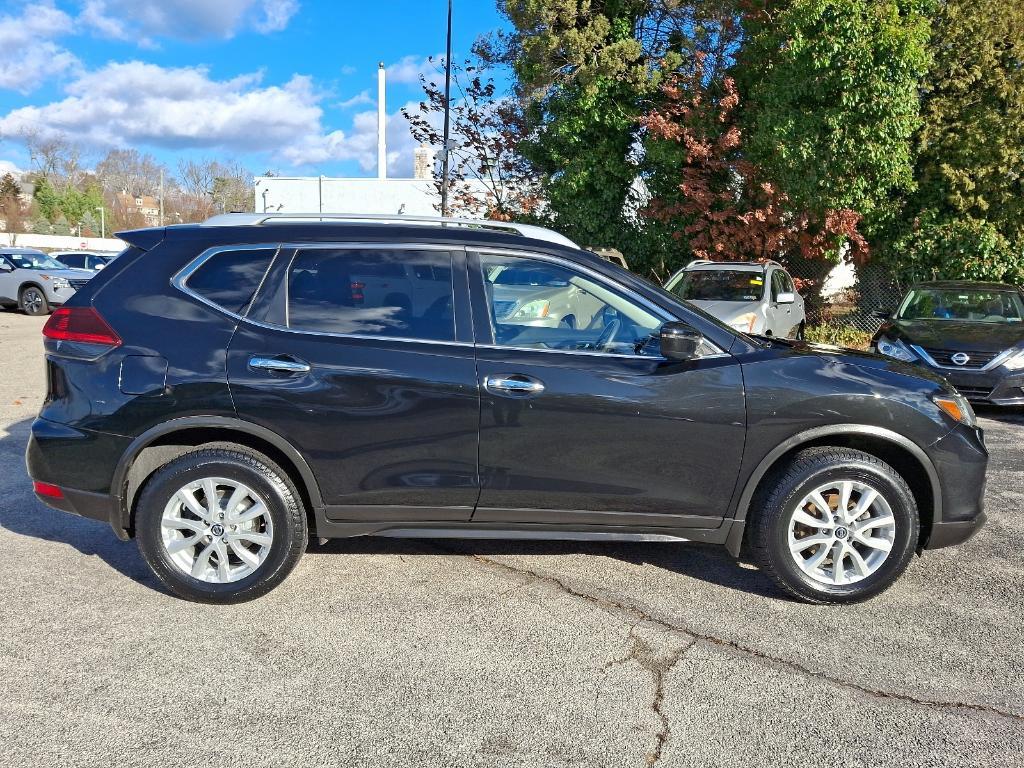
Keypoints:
pixel 358 231
pixel 733 266
pixel 12 250
pixel 956 285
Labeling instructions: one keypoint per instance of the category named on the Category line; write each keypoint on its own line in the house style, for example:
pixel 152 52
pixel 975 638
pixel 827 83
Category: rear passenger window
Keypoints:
pixel 397 293
pixel 230 278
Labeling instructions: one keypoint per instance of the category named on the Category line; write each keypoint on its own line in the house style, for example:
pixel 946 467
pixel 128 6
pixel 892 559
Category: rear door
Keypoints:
pixel 378 391
pixel 586 424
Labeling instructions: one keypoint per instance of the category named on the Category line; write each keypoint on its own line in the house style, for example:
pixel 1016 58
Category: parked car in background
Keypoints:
pixel 972 333
pixel 35 282
pixel 82 259
pixel 202 403
pixel 752 297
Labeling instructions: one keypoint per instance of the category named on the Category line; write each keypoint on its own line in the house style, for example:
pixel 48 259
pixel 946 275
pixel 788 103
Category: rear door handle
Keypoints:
pixel 513 385
pixel 278 364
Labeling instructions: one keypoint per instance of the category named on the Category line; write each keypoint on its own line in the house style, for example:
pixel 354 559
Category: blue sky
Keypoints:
pixel 285 85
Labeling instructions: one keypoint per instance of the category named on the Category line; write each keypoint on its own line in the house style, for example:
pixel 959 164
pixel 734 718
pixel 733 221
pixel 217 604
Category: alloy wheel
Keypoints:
pixel 841 532
pixel 217 530
pixel 32 301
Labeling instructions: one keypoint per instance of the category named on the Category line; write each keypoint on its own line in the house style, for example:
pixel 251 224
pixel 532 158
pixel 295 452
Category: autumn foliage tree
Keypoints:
pixel 487 174
pixel 720 204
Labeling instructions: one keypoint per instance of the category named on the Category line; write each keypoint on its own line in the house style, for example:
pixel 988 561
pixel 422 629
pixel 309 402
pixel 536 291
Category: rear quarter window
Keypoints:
pixel 229 279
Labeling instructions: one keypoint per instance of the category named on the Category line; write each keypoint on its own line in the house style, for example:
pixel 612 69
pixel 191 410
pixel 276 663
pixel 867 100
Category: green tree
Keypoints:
pixel 832 94
pixel 966 217
pixel 47 198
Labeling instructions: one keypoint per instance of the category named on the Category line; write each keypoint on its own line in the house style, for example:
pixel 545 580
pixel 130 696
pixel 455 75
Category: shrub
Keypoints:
pixel 838 335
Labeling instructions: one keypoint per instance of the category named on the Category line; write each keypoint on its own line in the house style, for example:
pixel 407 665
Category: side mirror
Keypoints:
pixel 679 341
pixel 5 267
pixel 881 314
pixel 786 298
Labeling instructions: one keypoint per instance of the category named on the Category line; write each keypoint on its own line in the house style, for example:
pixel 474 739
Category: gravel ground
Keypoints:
pixel 434 653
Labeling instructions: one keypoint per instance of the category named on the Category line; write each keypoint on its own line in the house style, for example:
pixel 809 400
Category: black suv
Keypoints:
pixel 225 391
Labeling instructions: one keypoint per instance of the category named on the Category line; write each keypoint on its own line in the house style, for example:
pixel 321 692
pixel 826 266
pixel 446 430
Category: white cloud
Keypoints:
pixel 6 166
pixel 143 104
pixel 28 53
pixel 359 99
pixel 409 68
pixel 144 20
pixel 360 145
pixel 140 104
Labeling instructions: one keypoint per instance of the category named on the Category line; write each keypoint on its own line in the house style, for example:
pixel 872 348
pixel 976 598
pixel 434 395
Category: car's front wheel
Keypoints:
pixel 33 301
pixel 834 526
pixel 220 525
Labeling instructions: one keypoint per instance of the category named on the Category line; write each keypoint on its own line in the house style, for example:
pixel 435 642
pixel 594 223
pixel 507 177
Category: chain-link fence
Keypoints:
pixel 846 314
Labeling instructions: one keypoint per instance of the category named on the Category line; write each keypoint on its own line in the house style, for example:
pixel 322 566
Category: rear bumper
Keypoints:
pixel 79 462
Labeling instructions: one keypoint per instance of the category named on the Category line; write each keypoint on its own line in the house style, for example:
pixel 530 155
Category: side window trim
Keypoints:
pixel 180 279
pixel 281 267
pixel 479 295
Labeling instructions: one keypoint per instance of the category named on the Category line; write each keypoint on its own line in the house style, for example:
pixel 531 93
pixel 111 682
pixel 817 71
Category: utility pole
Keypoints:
pixel 447 114
pixel 103 222
pixel 161 197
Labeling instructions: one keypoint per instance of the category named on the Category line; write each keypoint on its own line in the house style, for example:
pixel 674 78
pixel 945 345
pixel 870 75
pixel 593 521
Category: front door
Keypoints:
pixel 376 389
pixel 585 423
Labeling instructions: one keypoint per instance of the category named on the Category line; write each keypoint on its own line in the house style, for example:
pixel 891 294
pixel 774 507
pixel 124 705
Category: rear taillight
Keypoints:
pixel 81 324
pixel 47 489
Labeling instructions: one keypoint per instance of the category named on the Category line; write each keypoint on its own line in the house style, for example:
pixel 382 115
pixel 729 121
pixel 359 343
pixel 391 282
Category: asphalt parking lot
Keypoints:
pixel 384 652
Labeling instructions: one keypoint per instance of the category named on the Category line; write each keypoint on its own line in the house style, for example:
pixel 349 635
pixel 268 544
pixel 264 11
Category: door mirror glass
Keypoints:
pixel 786 298
pixel 5 267
pixel 680 341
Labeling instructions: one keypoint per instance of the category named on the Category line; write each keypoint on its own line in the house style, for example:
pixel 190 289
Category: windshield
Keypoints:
pixel 719 285
pixel 33 261
pixel 979 306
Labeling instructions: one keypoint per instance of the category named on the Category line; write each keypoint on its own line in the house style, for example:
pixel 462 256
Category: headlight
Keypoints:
pixel 896 349
pixel 1016 362
pixel 58 283
pixel 533 310
pixel 956 407
pixel 744 323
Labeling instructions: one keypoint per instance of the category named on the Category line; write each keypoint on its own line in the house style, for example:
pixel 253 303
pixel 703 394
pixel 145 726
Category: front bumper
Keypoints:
pixel 961 461
pixel 997 387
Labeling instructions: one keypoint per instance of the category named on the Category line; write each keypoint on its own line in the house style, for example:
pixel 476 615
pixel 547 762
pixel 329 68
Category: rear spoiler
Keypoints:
pixel 144 239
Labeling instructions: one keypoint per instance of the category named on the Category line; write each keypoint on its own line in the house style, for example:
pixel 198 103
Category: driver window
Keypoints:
pixel 536 304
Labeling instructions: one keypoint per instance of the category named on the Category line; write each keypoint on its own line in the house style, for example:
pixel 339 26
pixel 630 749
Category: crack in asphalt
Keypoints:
pixel 615 605
pixel 645 656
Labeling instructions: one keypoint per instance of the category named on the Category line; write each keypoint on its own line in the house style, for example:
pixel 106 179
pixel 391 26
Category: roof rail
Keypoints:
pixel 764 263
pixel 258 219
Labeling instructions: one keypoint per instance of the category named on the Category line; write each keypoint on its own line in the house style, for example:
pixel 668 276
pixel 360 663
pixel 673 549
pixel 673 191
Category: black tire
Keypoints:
pixel 768 526
pixel 32 301
pixel 290 530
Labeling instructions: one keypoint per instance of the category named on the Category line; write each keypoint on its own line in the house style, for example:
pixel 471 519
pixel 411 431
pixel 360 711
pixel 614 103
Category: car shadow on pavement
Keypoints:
pixel 704 562
pixel 23 514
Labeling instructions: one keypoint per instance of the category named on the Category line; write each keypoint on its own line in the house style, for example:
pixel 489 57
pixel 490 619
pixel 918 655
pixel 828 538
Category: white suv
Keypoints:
pixel 751 297
pixel 36 283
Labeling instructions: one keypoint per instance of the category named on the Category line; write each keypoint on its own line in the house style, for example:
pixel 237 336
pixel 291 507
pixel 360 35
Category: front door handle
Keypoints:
pixel 513 385
pixel 278 364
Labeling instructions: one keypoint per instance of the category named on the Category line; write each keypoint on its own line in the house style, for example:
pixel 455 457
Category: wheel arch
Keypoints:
pixel 904 455
pixel 165 442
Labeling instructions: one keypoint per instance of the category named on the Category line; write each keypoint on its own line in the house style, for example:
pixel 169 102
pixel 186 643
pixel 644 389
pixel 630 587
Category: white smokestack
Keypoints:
pixel 382 123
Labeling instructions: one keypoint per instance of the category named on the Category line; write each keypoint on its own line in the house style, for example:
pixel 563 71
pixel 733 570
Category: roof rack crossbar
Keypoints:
pixel 258 219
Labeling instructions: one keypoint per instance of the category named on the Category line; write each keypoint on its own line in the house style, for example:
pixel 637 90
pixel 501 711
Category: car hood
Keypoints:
pixel 726 311
pixel 957 336
pixel 858 358
pixel 67 273
pixel 520 292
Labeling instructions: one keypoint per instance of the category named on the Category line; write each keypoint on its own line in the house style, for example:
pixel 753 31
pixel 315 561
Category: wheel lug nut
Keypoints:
pixel 225 540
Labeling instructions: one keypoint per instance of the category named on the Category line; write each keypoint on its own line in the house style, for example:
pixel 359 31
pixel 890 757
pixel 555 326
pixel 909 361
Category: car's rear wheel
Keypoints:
pixel 834 526
pixel 220 525
pixel 33 301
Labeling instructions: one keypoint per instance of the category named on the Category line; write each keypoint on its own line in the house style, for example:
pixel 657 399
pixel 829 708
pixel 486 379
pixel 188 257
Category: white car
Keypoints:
pixel 751 297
